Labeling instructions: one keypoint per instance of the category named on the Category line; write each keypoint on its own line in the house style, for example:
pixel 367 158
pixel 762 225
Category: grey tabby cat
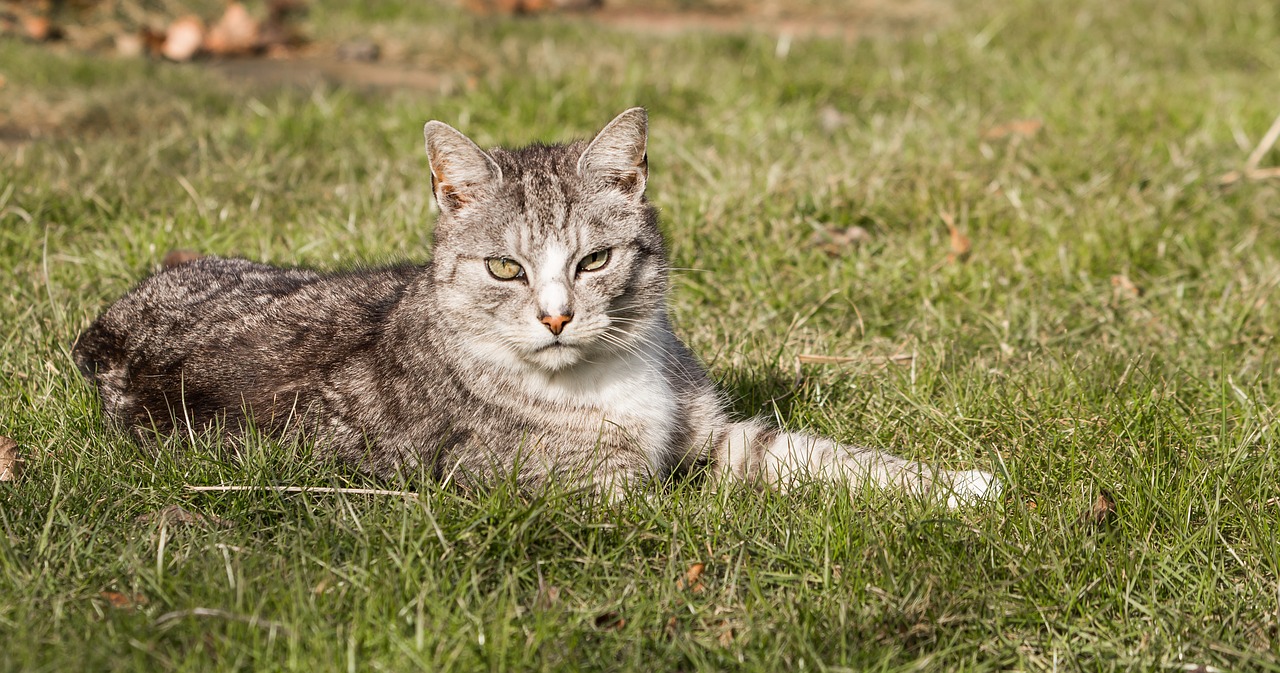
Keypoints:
pixel 536 343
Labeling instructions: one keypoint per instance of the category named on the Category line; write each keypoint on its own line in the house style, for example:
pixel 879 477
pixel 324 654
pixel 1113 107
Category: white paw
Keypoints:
pixel 970 487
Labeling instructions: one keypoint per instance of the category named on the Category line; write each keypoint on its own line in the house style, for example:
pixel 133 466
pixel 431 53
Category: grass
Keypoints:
pixel 1032 355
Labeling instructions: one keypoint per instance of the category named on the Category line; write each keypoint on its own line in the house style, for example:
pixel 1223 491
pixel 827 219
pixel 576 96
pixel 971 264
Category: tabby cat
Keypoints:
pixel 536 343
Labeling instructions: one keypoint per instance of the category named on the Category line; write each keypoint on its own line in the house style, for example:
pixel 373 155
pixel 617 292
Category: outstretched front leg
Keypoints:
pixel 753 451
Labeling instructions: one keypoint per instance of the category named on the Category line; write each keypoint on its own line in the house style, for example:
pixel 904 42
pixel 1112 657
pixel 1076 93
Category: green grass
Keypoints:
pixel 1026 355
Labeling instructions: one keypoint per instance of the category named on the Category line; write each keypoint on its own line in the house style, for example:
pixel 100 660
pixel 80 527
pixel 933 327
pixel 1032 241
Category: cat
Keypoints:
pixel 536 344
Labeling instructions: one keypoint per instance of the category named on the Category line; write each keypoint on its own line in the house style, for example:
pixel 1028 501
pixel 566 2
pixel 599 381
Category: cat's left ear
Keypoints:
pixel 617 156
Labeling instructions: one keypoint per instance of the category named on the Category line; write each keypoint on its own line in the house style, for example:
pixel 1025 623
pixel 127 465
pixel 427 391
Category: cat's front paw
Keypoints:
pixel 970 487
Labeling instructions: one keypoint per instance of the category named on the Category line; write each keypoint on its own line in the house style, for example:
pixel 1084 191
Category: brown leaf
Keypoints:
pixel 183 39
pixel 1122 287
pixel 179 257
pixel 836 241
pixel 610 621
pixel 39 28
pixel 175 514
pixel 1020 128
pixel 124 601
pixel 691 578
pixel 547 596
pixel 10 461
pixel 236 33
pixel 961 246
pixel 130 45
pixel 726 634
pixel 1101 512
pixel 670 629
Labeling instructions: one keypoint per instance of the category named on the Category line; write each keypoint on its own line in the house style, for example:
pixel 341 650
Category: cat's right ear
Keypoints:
pixel 461 172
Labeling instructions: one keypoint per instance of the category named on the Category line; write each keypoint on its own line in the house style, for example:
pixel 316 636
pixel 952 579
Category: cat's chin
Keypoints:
pixel 556 357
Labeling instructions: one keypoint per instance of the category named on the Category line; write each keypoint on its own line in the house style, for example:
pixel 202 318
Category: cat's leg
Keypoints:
pixel 754 451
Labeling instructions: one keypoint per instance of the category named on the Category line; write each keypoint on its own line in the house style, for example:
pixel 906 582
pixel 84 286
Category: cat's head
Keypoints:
pixel 550 254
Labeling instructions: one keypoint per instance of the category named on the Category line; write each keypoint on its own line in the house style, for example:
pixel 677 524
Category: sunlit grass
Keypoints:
pixel 1111 330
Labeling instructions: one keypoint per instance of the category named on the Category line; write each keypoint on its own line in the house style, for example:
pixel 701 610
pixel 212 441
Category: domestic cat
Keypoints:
pixel 535 344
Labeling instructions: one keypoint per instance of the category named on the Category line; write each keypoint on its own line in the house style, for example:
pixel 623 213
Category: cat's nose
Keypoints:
pixel 556 323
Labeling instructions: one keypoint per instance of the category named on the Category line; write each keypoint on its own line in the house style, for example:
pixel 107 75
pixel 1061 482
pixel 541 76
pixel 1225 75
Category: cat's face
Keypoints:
pixel 548 256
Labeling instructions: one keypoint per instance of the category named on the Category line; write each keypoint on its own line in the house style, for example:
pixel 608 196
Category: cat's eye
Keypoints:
pixel 505 268
pixel 595 261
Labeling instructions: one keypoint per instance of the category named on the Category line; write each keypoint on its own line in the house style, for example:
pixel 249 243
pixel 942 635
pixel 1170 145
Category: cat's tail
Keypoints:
pixel 754 451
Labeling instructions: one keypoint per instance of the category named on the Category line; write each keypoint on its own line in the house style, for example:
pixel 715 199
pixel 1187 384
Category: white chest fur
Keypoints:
pixel 630 392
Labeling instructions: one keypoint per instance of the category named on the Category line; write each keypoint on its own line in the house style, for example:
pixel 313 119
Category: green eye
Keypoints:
pixel 595 261
pixel 504 268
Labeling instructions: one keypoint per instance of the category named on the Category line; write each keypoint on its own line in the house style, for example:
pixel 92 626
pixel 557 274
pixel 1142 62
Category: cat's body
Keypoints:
pixel 537 342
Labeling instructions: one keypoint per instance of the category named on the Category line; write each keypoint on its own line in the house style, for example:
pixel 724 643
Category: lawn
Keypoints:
pixel 1100 330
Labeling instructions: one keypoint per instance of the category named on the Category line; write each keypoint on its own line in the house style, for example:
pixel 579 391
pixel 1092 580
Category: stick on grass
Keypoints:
pixel 302 489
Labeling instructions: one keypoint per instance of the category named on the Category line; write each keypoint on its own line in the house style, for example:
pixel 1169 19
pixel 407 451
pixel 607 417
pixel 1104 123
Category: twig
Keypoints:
pixel 809 359
pixel 1251 170
pixel 222 614
pixel 303 489
pixel 1272 135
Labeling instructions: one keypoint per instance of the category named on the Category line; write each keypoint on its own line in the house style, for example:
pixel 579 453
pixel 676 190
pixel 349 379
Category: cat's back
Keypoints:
pixel 219 326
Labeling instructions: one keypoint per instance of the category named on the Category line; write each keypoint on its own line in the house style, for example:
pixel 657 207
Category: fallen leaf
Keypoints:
pixel 124 601
pixel 547 596
pixel 610 621
pixel 1101 512
pixel 726 634
pixel 961 246
pixel 1122 287
pixel 236 33
pixel 179 257
pixel 670 629
pixel 10 461
pixel 1020 128
pixel 835 241
pixel 692 578
pixel 183 39
pixel 175 514
pixel 40 28
pixel 129 45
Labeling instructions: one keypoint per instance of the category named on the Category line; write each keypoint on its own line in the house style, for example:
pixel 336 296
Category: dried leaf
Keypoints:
pixel 179 257
pixel 692 578
pixel 124 601
pixel 726 634
pixel 836 241
pixel 961 246
pixel 610 621
pixel 10 461
pixel 175 514
pixel 547 596
pixel 670 629
pixel 183 39
pixel 236 33
pixel 1101 512
pixel 39 28
pixel 129 45
pixel 1122 287
pixel 1020 128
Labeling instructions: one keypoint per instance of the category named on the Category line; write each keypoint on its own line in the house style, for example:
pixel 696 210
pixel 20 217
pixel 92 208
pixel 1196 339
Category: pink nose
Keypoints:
pixel 556 323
